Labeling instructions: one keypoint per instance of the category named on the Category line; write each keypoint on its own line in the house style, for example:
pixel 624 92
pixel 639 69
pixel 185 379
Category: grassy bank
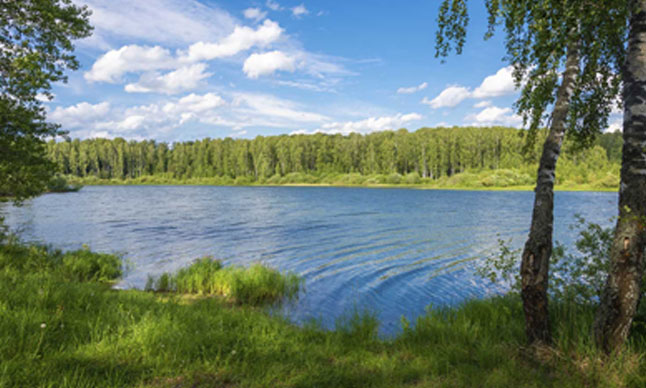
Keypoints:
pixel 62 325
pixel 502 179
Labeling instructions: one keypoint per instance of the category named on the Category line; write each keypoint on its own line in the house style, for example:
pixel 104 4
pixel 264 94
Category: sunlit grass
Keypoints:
pixel 56 330
pixel 254 285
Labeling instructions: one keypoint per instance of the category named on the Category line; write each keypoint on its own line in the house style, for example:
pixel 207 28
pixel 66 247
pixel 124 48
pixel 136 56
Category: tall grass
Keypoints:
pixel 255 285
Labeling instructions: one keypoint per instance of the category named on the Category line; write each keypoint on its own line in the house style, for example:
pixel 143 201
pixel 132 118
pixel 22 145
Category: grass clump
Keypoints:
pixel 254 285
pixel 80 265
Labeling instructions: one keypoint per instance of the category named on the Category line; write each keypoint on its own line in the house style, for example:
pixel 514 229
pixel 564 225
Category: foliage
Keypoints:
pixel 58 184
pixel 537 36
pixel 426 157
pixel 35 50
pixel 577 277
pixel 255 285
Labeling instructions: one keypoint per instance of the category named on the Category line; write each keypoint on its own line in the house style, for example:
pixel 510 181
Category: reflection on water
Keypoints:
pixel 393 251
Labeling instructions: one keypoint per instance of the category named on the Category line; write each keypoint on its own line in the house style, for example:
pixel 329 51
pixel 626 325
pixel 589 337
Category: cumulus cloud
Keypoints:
pixel 412 89
pixel 242 38
pixel 267 63
pixel 254 14
pixel 79 115
pixel 300 10
pixel 450 97
pixel 371 124
pixel 133 58
pixel 494 115
pixel 499 84
pixel 210 110
pixel 180 80
pixel 496 85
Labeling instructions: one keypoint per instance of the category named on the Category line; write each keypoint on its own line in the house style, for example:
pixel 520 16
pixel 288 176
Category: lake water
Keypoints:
pixel 391 251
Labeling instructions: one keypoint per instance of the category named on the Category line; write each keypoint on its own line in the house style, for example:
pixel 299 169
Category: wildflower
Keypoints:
pixel 43 325
pixel 233 352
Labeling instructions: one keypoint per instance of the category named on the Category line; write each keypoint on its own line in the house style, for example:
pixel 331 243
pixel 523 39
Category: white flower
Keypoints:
pixel 43 325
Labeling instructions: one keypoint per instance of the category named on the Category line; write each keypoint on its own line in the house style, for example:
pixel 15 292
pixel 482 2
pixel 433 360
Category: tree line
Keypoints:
pixel 428 152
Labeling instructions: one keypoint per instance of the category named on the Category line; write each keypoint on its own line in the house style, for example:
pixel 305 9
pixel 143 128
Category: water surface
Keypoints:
pixel 392 251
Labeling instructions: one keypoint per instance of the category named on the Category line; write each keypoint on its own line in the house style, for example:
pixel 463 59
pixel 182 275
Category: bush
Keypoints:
pixel 577 276
pixel 58 184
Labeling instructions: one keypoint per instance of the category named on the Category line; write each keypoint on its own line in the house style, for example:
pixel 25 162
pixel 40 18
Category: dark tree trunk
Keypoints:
pixel 534 268
pixel 621 294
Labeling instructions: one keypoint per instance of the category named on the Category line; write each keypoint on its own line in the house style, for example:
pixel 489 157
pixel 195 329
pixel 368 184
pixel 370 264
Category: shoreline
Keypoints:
pixel 560 188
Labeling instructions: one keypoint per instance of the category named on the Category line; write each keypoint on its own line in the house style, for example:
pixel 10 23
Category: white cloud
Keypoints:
pixel 242 38
pixel 270 106
pixel 274 6
pixel 113 64
pixel 412 89
pixel 300 10
pixel 211 111
pixel 494 115
pixel 267 63
pixel 182 79
pixel 194 103
pixel 450 97
pixel 254 14
pixel 371 124
pixel 79 115
pixel 499 84
pixel 615 126
pixel 172 22
pixel 483 104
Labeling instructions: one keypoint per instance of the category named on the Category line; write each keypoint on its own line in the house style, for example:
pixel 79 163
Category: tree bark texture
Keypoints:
pixel 534 269
pixel 620 297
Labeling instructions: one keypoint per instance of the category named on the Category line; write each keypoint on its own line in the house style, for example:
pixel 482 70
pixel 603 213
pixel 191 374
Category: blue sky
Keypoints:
pixel 175 70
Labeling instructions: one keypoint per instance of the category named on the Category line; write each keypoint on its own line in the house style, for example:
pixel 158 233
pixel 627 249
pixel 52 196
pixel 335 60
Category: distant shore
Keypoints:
pixel 423 186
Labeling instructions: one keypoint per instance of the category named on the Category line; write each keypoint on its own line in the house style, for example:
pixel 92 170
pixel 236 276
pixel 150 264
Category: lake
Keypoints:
pixel 390 251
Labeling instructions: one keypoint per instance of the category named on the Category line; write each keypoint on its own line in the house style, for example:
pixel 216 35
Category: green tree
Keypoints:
pixel 35 51
pixel 586 39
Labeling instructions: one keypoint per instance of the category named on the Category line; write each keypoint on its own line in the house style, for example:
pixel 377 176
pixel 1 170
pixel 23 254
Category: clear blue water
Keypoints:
pixel 390 251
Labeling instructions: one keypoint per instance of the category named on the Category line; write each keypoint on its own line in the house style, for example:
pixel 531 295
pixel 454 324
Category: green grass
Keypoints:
pixel 62 327
pixel 255 285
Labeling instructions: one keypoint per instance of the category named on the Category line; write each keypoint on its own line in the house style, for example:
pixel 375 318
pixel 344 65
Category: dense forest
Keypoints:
pixel 426 155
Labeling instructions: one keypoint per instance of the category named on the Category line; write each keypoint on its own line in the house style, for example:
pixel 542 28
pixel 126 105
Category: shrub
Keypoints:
pixel 577 276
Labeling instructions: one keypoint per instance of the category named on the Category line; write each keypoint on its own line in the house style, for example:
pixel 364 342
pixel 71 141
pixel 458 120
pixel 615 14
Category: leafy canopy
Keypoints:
pixel 538 35
pixel 35 51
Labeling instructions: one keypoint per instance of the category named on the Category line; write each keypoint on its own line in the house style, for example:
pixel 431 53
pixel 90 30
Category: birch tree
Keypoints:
pixel 579 42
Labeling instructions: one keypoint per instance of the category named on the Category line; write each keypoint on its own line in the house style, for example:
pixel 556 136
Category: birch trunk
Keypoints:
pixel 621 295
pixel 534 269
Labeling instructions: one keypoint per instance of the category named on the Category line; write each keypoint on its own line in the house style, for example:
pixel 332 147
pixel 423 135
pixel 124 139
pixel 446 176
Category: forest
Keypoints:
pixel 389 157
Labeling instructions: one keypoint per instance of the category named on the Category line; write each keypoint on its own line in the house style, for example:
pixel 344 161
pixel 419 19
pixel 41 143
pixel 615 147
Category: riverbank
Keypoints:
pixel 61 324
pixel 505 181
